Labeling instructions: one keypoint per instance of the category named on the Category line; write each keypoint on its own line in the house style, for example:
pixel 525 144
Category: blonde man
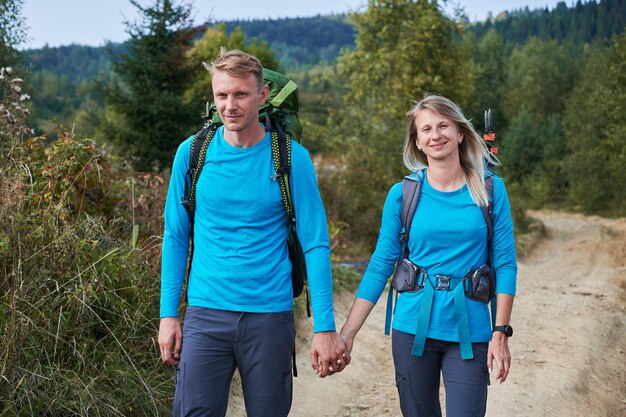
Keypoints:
pixel 240 293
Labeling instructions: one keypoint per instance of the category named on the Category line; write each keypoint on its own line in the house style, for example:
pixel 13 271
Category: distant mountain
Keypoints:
pixel 76 62
pixel 301 40
pixel 311 40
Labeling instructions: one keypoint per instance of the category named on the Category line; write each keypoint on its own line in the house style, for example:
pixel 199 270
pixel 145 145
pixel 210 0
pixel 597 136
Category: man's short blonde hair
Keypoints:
pixel 237 64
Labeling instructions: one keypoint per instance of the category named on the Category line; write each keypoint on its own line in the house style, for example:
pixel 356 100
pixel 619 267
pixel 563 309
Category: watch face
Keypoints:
pixel 508 330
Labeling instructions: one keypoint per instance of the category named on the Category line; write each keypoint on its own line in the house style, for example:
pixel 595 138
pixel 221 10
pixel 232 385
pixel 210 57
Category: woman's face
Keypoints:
pixel 437 136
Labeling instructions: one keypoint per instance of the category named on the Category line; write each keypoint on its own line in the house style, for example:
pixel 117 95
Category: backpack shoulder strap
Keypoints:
pixel 488 214
pixel 281 156
pixel 488 210
pixel 411 191
pixel 197 155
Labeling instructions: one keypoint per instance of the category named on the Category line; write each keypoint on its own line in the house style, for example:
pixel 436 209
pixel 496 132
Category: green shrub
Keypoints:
pixel 78 289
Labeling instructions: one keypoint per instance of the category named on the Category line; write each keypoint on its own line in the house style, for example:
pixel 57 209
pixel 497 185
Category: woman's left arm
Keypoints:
pixel 504 263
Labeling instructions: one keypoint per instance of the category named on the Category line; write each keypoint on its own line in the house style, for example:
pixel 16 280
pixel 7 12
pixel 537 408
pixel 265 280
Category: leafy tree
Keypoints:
pixel 12 30
pixel 151 116
pixel 540 76
pixel 521 150
pixel 552 184
pixel 321 91
pixel 594 123
pixel 404 49
pixel 489 58
pixel 206 50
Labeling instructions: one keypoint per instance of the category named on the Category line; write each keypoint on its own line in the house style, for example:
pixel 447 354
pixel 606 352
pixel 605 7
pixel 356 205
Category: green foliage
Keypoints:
pixel 78 301
pixel 404 50
pixel 12 30
pixel 321 91
pixel 301 41
pixel 75 62
pixel 489 73
pixel 532 157
pixel 147 95
pixel 596 132
pixel 585 22
pixel 59 100
pixel 207 49
pixel 540 76
pixel 521 147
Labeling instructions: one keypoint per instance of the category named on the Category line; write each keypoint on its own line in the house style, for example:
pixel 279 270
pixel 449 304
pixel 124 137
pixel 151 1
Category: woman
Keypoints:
pixel 448 238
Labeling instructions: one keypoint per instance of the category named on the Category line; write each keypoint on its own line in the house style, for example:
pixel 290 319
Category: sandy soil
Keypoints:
pixel 568 349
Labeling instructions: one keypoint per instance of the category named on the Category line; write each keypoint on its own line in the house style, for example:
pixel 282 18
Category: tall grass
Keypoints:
pixel 78 290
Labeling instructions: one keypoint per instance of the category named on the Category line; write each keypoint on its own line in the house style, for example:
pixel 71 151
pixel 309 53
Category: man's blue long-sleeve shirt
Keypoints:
pixel 240 260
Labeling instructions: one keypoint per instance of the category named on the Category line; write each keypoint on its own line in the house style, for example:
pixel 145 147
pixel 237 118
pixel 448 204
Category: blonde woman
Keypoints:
pixel 447 242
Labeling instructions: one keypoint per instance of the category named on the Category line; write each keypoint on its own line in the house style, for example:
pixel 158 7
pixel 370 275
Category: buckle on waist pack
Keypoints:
pixel 443 282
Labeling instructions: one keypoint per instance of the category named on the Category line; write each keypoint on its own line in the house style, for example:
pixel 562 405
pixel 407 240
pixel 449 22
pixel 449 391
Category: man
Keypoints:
pixel 239 292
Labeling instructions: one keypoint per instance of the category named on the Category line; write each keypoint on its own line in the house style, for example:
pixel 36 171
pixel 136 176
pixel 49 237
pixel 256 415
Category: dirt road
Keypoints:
pixel 568 349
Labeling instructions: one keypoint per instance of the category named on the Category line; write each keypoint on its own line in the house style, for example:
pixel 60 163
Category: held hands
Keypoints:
pixel 499 350
pixel 170 340
pixel 328 354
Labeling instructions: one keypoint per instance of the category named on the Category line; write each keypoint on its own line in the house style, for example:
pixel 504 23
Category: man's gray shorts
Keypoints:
pixel 215 342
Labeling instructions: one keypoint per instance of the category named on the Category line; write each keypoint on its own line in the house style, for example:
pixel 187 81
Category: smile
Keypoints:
pixel 438 146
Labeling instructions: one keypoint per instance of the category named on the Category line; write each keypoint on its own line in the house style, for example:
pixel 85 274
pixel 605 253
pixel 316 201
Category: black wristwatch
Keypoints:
pixel 506 329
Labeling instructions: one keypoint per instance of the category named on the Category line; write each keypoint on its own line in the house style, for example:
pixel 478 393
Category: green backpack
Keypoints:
pixel 279 114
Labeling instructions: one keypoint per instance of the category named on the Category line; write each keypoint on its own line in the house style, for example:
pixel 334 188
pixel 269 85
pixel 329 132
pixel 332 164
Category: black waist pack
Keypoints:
pixel 482 284
pixel 408 277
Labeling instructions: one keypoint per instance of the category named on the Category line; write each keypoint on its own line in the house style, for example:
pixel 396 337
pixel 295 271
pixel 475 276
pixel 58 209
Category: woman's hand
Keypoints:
pixel 499 350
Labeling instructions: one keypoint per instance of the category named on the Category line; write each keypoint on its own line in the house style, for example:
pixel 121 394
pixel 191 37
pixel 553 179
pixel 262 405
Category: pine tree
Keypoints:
pixel 146 114
pixel 596 132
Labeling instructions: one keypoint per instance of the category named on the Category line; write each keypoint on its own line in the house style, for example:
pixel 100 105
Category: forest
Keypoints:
pixel 87 140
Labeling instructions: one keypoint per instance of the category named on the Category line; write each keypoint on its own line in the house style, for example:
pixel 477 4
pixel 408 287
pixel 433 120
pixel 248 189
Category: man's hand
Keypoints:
pixel 499 350
pixel 170 336
pixel 328 353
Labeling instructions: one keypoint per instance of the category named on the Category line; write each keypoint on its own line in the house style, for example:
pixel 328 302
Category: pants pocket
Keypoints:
pixel 406 393
pixel 178 407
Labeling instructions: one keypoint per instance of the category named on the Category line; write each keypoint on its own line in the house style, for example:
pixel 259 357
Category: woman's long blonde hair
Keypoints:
pixel 473 151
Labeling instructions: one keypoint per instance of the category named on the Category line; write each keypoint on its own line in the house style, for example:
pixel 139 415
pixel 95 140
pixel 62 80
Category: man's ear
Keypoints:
pixel 265 91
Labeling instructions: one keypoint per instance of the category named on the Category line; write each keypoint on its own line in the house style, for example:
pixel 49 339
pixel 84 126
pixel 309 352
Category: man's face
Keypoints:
pixel 238 101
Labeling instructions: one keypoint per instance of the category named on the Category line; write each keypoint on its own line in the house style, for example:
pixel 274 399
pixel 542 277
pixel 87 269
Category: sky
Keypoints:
pixel 94 22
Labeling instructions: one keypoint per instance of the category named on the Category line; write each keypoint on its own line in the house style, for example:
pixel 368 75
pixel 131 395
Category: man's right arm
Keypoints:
pixel 174 259
pixel 175 236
